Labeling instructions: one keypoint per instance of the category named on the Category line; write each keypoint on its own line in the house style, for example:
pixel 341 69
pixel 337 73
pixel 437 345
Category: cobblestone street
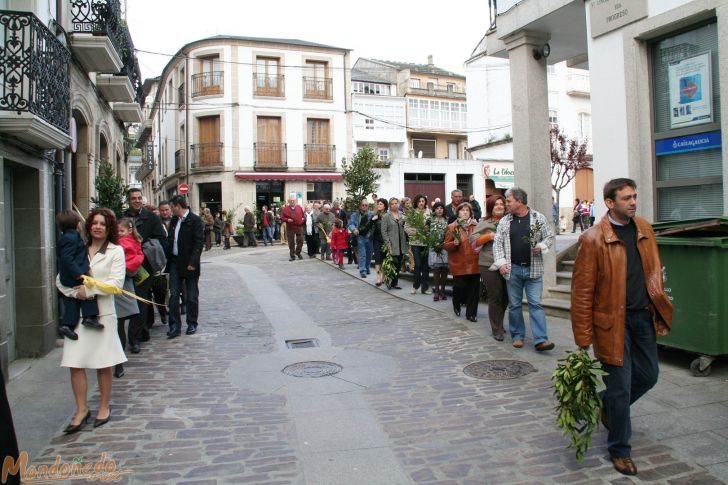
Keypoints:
pixel 215 408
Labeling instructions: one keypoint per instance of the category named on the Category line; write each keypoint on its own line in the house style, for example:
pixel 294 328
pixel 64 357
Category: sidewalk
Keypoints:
pixel 215 407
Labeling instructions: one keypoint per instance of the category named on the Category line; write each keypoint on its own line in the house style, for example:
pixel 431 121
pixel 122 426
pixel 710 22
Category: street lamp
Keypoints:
pixel 541 52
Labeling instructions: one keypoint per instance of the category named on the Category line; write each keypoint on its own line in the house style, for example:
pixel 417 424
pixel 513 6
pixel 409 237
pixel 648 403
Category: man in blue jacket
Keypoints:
pixel 358 227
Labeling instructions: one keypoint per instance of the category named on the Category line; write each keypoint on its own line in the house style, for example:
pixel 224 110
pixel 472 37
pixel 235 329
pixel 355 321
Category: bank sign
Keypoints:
pixel 689 143
pixel 499 172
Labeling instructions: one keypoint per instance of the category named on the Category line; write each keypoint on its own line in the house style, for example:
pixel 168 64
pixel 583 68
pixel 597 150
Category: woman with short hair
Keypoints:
pixel 395 239
pixel 463 263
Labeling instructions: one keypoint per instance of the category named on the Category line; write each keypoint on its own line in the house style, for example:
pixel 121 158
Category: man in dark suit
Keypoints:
pixel 184 248
pixel 149 226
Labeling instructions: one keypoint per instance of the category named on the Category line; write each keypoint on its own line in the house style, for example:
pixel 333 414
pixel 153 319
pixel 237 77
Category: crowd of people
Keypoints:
pixel 500 251
pixel 112 279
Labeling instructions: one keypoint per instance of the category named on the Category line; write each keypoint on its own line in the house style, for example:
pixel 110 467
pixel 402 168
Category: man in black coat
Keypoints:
pixel 184 248
pixel 451 210
pixel 149 226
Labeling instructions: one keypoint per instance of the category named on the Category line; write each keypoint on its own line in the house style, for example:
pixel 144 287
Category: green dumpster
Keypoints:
pixel 695 258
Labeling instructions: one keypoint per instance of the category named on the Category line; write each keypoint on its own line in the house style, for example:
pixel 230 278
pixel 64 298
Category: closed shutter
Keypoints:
pixel 209 148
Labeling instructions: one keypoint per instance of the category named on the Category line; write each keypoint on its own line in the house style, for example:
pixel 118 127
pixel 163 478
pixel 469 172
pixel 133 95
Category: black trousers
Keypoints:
pixel 466 291
pixel 312 244
pixel 627 383
pixel 8 441
pixel 422 268
pixel 138 323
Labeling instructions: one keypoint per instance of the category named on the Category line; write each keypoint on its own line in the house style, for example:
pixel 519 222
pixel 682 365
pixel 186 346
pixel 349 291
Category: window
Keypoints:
pixel 208 151
pixel 426 147
pixel 553 117
pixel 318 151
pixel 415 83
pixel 437 114
pixel 268 81
pixel 584 126
pixel 269 151
pixel 369 124
pixel 209 77
pixel 319 191
pixel 465 183
pixel 688 184
pixel 451 87
pixel 384 154
pixel 452 150
pixel 316 81
pixel 370 88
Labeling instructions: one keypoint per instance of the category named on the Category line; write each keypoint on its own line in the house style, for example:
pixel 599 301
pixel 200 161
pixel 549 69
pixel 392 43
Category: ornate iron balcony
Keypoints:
pixel 271 156
pixel 98 17
pixel 318 88
pixel 319 157
pixel 207 83
pixel 34 69
pixel 269 85
pixel 181 95
pixel 179 161
pixel 131 65
pixel 207 155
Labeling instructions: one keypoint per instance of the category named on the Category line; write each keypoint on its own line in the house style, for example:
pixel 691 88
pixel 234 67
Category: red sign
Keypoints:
pixel 183 189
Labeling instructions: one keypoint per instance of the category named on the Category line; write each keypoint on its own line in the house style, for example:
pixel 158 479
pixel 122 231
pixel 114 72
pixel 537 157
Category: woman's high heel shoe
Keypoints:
pixel 75 428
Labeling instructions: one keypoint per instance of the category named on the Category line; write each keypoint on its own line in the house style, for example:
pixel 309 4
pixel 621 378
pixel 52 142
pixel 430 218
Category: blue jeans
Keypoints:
pixel 519 281
pixel 267 235
pixel 192 303
pixel 366 249
pixel 627 383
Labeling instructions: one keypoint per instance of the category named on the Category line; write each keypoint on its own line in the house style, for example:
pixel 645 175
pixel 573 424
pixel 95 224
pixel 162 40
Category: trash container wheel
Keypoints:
pixel 701 366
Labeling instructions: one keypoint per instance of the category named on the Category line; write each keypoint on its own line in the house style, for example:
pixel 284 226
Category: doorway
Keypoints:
pixel 268 193
pixel 8 329
pixel 211 196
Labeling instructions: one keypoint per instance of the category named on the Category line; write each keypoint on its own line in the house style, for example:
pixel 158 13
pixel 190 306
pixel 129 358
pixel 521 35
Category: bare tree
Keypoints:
pixel 567 157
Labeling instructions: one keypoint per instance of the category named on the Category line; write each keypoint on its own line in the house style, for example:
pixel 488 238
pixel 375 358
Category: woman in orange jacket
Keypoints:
pixel 463 263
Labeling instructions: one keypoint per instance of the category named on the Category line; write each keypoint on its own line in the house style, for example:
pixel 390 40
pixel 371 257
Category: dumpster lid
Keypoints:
pixel 703 227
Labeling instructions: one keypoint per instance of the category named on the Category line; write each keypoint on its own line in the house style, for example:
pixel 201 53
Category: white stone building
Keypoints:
pixel 248 121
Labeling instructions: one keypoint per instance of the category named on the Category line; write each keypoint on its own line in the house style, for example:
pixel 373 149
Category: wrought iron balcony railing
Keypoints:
pixel 131 65
pixel 267 85
pixel 34 69
pixel 181 95
pixel 318 88
pixel 207 155
pixel 319 157
pixel 179 161
pixel 100 17
pixel 207 83
pixel 271 156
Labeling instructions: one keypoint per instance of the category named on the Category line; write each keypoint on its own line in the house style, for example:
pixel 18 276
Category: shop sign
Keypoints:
pixel 691 97
pixel 608 15
pixel 501 173
pixel 689 143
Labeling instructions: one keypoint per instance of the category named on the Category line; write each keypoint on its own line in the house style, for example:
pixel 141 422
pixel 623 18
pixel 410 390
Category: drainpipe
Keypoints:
pixel 187 120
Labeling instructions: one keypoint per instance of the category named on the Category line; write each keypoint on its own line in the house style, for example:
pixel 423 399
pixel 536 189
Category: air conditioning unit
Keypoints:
pixel 309 187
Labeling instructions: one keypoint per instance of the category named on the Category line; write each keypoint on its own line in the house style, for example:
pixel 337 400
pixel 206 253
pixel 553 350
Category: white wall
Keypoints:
pixel 392 181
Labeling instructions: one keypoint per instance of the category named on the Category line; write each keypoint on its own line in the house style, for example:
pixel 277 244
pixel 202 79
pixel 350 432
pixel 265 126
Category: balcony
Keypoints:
pixel 578 85
pixel 267 85
pixel 179 161
pixel 181 95
pixel 207 157
pixel 128 112
pixel 34 82
pixel 115 88
pixel 319 157
pixel 96 37
pixel 145 129
pixel 439 90
pixel 207 83
pixel 318 88
pixel 271 156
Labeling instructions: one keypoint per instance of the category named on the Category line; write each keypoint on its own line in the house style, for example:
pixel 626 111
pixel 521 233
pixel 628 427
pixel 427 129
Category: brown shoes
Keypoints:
pixel 543 346
pixel 625 466
pixel 518 343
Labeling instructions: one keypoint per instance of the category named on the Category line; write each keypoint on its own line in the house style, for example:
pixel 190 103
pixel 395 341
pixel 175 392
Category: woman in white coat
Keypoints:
pixel 96 349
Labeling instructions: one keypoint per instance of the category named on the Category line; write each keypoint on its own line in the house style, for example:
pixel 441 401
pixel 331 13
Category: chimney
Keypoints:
pixel 429 61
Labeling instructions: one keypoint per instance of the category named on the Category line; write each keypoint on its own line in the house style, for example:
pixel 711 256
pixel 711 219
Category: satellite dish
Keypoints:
pixel 419 154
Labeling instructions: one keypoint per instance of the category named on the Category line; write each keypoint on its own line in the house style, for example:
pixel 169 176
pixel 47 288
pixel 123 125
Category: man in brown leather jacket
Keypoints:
pixel 618 304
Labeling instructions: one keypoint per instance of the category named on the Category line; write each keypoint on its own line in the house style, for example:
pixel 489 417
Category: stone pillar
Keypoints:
pixel 529 108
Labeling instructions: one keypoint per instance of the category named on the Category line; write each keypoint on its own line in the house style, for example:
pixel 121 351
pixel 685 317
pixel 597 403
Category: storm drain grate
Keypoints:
pixel 312 368
pixel 498 369
pixel 302 343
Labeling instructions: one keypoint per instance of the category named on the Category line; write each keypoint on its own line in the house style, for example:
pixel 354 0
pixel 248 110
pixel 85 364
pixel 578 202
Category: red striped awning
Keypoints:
pixel 306 176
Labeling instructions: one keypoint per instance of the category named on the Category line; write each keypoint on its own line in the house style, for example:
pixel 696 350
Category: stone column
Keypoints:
pixel 529 108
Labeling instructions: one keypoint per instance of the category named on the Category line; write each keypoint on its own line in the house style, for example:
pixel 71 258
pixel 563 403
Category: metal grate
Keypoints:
pixel 303 343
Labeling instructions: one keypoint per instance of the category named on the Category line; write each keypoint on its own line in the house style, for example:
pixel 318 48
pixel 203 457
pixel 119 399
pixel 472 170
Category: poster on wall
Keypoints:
pixel 501 173
pixel 691 97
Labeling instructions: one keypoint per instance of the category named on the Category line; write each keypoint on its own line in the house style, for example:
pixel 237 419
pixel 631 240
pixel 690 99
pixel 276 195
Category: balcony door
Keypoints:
pixel 210 78
pixel 269 148
pixel 318 150
pixel 268 79
pixel 317 84
pixel 209 147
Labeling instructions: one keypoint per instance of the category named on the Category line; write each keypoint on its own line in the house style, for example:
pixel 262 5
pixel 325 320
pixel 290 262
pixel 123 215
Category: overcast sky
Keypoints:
pixel 383 29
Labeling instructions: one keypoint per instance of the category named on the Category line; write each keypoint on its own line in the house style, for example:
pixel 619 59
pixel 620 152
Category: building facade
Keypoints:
pixel 69 82
pixel 490 134
pixel 415 118
pixel 248 121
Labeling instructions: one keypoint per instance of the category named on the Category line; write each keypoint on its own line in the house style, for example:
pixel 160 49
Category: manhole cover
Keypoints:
pixel 312 369
pixel 498 369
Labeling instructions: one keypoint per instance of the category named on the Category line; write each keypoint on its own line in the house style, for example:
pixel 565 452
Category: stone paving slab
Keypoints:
pixel 215 408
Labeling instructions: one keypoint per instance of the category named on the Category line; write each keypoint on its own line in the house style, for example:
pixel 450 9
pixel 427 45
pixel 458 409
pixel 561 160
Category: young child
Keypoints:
pixel 339 242
pixel 131 241
pixel 73 262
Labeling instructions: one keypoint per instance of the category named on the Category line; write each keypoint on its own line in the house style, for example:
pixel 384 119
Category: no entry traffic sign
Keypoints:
pixel 183 189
